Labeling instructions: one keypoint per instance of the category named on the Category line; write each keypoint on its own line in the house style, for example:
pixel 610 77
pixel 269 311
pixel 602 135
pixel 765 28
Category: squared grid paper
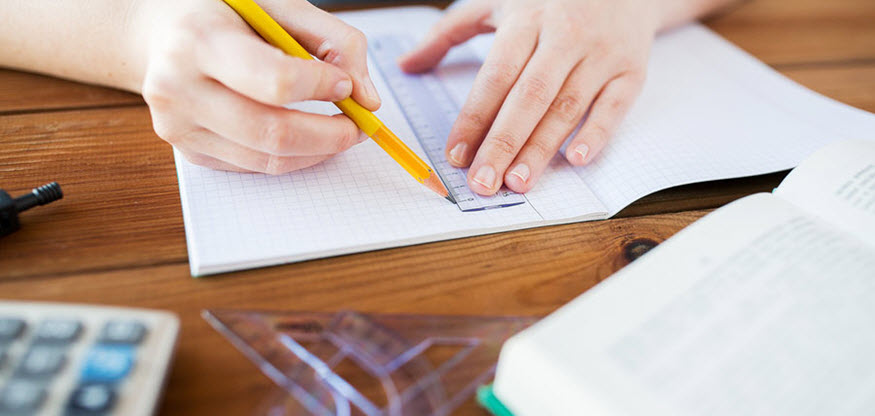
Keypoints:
pixel 693 122
pixel 710 111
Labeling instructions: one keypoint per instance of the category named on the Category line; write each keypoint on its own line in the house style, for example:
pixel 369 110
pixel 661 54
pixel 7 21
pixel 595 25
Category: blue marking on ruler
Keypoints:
pixel 431 112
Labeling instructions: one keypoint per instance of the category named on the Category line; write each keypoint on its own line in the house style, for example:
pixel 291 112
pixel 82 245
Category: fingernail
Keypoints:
pixel 521 171
pixel 457 155
pixel 485 177
pixel 371 92
pixel 363 137
pixel 582 150
pixel 343 89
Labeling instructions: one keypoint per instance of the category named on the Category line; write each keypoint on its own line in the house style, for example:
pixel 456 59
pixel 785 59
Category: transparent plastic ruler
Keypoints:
pixel 431 112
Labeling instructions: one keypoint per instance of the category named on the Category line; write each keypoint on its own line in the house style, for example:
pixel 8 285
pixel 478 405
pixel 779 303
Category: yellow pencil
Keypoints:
pixel 274 34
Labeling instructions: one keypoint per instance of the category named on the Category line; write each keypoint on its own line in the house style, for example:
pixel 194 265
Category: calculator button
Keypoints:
pixel 21 396
pixel 42 361
pixel 91 399
pixel 10 329
pixel 123 332
pixel 107 363
pixel 58 331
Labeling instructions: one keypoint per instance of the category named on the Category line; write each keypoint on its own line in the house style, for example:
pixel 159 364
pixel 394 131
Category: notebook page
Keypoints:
pixel 710 111
pixel 357 201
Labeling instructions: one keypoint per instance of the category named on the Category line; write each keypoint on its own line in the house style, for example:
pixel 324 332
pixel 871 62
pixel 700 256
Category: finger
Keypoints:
pixel 561 119
pixel 211 162
pixel 252 67
pixel 605 116
pixel 513 47
pixel 331 40
pixel 272 130
pixel 520 113
pixel 457 26
pixel 208 144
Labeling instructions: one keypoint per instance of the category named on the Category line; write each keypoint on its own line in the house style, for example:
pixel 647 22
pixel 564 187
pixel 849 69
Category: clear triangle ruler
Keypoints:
pixel 348 363
pixel 431 112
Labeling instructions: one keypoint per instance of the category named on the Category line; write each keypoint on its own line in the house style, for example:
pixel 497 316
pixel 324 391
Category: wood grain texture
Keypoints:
pixel 793 32
pixel 22 92
pixel 121 205
pixel 117 237
pixel 525 273
pixel 121 200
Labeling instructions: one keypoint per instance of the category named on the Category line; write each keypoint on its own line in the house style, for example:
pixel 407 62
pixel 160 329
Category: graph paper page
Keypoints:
pixel 710 111
pixel 357 201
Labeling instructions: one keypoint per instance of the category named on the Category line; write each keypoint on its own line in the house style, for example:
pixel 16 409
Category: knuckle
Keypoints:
pixel 504 145
pixel 274 165
pixel 598 134
pixel 535 90
pixel 568 108
pixel 472 119
pixel 355 40
pixel 281 87
pixel 276 136
pixel 615 104
pixel 499 76
pixel 164 130
pixel 540 149
pixel 158 92
pixel 347 139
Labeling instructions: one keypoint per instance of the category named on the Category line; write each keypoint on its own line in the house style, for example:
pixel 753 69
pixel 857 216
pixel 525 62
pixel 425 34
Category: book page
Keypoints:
pixel 838 185
pixel 758 308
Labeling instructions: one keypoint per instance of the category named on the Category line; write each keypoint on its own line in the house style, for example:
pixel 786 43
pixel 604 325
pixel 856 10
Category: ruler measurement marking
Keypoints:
pixel 432 125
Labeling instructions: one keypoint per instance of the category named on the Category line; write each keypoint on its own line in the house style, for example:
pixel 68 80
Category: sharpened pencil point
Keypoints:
pixel 433 182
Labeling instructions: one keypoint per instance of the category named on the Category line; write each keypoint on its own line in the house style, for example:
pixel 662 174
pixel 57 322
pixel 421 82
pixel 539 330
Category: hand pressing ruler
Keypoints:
pixel 431 112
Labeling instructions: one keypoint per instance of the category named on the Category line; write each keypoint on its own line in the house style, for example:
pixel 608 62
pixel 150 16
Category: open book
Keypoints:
pixel 765 306
pixel 708 111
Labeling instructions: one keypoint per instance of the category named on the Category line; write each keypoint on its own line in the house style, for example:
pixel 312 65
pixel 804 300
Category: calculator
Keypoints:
pixel 82 360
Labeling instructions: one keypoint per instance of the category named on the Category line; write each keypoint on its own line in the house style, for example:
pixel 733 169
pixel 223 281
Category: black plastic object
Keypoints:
pixel 10 207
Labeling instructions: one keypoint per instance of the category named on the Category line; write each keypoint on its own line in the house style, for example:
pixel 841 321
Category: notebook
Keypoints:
pixel 774 317
pixel 708 111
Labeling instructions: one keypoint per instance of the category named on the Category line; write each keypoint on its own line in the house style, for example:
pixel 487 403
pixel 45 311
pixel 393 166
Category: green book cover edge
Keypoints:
pixel 486 398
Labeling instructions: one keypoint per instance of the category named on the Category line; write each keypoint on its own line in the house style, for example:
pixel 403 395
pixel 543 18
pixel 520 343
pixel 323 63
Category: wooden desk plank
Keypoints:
pixel 121 199
pixel 121 207
pixel 782 32
pixel 526 273
pixel 22 92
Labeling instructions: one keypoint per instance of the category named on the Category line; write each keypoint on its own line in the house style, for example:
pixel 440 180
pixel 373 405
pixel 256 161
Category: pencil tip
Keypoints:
pixel 434 183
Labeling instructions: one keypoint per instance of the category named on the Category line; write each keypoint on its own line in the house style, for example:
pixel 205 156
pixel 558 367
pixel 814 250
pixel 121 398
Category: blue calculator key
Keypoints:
pixel 123 332
pixel 10 329
pixel 21 397
pixel 91 399
pixel 107 363
pixel 42 361
pixel 58 331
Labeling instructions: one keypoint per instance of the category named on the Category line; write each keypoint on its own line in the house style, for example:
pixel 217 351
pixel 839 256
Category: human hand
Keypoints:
pixel 216 89
pixel 551 62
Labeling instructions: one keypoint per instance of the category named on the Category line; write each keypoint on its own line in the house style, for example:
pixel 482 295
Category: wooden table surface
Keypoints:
pixel 117 237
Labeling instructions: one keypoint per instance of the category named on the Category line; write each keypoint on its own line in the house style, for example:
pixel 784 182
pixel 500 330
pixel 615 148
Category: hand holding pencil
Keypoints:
pixel 216 89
